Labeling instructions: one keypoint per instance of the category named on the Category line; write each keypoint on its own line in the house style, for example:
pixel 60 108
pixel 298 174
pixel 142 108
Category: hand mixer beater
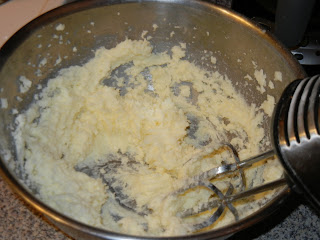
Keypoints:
pixel 296 143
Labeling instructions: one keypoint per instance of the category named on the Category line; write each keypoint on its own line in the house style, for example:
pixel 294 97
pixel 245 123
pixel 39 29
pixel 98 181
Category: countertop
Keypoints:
pixel 18 221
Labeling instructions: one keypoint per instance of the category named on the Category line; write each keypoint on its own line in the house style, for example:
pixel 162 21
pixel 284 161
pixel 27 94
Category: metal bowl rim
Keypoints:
pixel 74 7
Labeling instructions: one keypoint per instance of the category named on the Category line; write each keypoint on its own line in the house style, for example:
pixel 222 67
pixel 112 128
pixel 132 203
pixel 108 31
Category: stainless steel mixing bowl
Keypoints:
pixel 238 44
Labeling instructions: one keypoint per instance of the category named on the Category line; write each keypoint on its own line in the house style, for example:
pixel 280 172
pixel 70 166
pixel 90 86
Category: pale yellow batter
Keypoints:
pixel 125 126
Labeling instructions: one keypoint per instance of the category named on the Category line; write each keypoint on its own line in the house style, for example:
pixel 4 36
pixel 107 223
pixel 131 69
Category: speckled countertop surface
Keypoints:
pixel 18 221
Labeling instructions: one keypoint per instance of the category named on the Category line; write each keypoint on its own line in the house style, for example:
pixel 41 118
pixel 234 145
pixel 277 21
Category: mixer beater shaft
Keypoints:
pixel 296 143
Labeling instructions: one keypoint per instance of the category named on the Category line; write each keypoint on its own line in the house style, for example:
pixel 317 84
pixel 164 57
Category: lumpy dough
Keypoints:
pixel 108 142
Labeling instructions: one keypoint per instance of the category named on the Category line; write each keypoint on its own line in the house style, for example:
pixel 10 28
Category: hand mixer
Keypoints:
pixel 296 142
